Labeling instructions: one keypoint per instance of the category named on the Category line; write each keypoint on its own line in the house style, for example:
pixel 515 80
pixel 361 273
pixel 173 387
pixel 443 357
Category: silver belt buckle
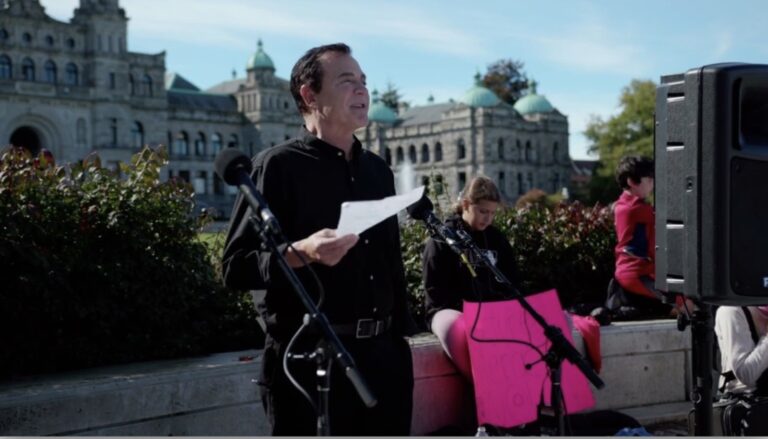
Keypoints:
pixel 366 328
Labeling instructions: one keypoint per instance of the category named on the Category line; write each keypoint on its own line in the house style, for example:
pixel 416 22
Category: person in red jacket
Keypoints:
pixel 634 221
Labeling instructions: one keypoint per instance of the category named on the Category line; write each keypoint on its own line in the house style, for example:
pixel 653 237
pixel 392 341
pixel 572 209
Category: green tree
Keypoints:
pixel 506 78
pixel 629 132
pixel 392 97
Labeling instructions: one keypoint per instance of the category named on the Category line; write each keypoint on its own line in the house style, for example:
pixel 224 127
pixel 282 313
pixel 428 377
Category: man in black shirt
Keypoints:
pixel 305 180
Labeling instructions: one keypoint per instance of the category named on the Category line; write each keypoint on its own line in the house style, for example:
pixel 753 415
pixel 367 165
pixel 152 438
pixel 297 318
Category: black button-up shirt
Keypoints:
pixel 304 181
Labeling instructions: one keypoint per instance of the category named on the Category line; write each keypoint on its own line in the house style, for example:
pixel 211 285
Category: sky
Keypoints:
pixel 581 53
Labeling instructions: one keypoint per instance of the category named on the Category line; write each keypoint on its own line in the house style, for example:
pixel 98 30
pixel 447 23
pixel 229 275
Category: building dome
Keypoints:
pixel 533 103
pixel 260 60
pixel 479 96
pixel 379 112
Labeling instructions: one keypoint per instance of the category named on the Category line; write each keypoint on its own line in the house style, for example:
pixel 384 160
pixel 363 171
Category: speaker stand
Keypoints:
pixel 702 338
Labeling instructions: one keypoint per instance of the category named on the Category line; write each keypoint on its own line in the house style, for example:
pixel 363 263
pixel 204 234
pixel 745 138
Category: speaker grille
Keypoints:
pixel 748 226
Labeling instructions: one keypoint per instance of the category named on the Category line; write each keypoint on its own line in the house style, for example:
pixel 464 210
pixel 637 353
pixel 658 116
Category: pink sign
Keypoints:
pixel 505 392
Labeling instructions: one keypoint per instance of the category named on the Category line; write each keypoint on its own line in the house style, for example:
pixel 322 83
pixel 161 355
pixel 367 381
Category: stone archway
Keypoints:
pixel 28 138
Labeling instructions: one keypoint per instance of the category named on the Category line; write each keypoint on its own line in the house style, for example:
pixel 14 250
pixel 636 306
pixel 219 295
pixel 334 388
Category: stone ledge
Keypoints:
pixel 124 398
pixel 215 395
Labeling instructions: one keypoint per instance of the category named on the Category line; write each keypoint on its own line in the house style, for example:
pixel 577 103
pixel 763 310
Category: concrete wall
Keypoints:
pixel 644 364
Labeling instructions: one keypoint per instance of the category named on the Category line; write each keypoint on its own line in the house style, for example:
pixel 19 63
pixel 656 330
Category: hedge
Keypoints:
pixel 101 267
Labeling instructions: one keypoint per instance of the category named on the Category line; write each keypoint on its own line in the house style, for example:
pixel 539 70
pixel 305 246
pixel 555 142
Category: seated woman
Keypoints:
pixel 448 282
pixel 743 348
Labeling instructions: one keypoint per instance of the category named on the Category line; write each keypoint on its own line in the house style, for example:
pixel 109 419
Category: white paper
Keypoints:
pixel 359 216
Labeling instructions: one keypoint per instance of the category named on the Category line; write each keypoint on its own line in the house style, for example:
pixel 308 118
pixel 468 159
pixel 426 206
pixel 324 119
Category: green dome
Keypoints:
pixel 260 60
pixel 378 112
pixel 533 103
pixel 479 96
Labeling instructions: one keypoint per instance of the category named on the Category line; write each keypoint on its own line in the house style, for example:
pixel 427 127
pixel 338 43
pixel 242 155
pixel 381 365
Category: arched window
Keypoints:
pixel 438 152
pixel 200 145
pixel 182 144
pixel 3 34
pixel 528 151
pixel 462 180
pixel 132 84
pixel 503 182
pixel 424 153
pixel 147 85
pixel 234 142
pixel 70 74
pixel 49 72
pixel 215 143
pixel 520 186
pixel 28 69
pixel 80 131
pixel 113 131
pixel 137 135
pixel 6 67
pixel 501 148
pixel 49 40
pixel 529 186
pixel 218 184
pixel 388 156
pixel 461 149
pixel 518 150
pixel 399 156
pixel 439 184
pixel 412 153
pixel 555 152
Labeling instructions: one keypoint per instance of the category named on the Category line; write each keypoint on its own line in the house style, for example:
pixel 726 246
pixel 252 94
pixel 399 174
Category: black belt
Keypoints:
pixel 364 328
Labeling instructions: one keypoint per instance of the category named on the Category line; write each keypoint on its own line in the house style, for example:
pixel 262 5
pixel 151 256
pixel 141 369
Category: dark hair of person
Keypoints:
pixel 635 168
pixel 480 188
pixel 308 70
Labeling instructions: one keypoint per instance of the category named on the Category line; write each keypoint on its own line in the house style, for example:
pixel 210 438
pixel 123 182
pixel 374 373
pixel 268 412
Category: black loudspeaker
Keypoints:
pixel 711 154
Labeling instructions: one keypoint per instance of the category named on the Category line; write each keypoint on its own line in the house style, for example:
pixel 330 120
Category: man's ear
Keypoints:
pixel 308 96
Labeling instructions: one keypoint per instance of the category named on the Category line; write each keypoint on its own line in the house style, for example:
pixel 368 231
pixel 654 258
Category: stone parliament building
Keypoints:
pixel 74 88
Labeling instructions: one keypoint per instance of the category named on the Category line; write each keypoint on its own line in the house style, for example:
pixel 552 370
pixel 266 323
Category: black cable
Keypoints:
pixel 288 372
pixel 479 295
pixel 320 300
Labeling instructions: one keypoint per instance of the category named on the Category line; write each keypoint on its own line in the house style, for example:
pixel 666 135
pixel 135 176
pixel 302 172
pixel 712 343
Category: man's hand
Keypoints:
pixel 323 247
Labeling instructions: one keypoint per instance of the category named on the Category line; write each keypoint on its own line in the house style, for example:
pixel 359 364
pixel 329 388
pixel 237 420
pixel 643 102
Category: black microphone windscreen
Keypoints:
pixel 420 209
pixel 229 162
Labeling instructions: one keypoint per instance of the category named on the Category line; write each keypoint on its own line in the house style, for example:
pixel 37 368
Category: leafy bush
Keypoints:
pixel 413 237
pixel 566 246
pixel 99 269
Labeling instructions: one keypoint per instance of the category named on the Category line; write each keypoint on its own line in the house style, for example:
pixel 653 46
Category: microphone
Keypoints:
pixel 423 210
pixel 234 167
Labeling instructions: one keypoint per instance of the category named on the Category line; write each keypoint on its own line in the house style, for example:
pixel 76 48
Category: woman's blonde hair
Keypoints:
pixel 480 188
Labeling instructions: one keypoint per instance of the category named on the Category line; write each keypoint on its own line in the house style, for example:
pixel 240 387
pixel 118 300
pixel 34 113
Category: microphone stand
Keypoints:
pixel 560 348
pixel 328 350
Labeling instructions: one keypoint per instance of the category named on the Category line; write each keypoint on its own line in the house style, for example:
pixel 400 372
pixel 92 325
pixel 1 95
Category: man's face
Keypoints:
pixel 343 98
